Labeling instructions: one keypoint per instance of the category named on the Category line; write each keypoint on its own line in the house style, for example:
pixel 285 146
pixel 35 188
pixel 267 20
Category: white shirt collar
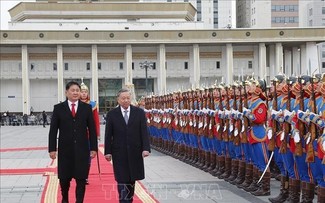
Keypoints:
pixel 122 110
pixel 76 105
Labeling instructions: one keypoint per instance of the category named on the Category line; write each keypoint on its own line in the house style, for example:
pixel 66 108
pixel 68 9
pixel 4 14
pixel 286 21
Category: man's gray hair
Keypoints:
pixel 122 91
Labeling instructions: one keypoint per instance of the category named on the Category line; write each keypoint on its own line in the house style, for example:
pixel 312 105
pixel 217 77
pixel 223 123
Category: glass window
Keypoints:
pixel 323 64
pixel 282 20
pixel 66 66
pixel 282 8
pixel 250 64
pixel 88 66
pixel 55 67
pixel 99 64
pixel 218 64
pixel 154 65
pixel 32 66
pixel 291 20
pixel 291 8
pixel 185 65
pixel 121 65
pixel 323 10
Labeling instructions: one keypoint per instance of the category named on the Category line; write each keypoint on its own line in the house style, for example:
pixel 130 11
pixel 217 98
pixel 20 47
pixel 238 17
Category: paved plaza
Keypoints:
pixel 24 159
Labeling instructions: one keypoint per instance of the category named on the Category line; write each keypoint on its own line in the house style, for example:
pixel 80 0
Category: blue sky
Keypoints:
pixel 5 5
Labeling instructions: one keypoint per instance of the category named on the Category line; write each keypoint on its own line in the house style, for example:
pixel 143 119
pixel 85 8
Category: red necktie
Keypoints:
pixel 73 110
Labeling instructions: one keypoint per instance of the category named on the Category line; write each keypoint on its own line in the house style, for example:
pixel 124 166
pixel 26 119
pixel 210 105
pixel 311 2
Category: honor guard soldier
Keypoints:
pixel 216 96
pixel 275 129
pixel 297 141
pixel 249 169
pixel 236 137
pixel 319 121
pixel 257 114
pixel 316 129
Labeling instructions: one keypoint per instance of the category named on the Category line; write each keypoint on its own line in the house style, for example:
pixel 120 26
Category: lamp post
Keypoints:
pixel 145 65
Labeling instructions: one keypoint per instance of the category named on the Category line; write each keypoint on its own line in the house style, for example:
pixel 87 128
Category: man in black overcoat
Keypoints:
pixel 126 143
pixel 72 118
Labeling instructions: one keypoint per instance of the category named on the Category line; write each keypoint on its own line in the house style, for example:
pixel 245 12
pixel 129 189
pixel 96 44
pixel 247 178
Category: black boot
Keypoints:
pixel 284 191
pixel 264 187
pixel 308 192
pixel 221 169
pixel 241 173
pixel 212 162
pixel 227 172
pixel 234 171
pixel 294 191
pixel 207 161
pixel 248 177
pixel 320 194
pixel 216 168
pixel 253 186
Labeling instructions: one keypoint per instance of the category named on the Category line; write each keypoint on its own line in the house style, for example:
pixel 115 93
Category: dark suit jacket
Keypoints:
pixel 126 143
pixel 73 143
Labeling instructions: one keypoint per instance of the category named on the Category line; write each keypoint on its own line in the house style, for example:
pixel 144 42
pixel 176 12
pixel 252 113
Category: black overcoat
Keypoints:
pixel 74 143
pixel 126 142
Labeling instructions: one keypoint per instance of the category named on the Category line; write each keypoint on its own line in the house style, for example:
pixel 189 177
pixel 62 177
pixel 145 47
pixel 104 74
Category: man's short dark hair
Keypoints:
pixel 69 84
pixel 122 91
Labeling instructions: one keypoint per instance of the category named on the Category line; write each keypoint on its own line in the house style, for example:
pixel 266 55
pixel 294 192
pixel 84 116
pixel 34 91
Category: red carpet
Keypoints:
pixel 101 188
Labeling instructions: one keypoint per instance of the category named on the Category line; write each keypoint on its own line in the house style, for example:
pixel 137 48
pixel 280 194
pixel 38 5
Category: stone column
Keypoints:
pixel 195 59
pixel 25 79
pixel 278 58
pixel 295 61
pixel 262 61
pixel 128 75
pixel 128 64
pixel 94 73
pixel 61 89
pixel 310 62
pixel 229 64
pixel 287 62
pixel 272 70
pixel 162 89
pixel 303 60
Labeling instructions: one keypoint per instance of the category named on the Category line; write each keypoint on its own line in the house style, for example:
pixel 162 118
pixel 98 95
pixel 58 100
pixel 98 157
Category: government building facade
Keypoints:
pixel 153 47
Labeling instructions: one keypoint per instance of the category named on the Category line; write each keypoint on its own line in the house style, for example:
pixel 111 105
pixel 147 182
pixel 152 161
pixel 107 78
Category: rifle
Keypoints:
pixel 271 144
pixel 310 157
pixel 236 138
pixel 220 131
pixel 301 125
pixel 246 121
pixel 283 147
pixel 226 138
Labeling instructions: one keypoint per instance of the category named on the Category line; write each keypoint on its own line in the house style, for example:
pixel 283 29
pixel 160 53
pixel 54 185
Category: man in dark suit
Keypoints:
pixel 73 119
pixel 127 143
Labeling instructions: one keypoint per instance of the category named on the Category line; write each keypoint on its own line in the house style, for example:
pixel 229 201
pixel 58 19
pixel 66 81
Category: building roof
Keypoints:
pixel 102 10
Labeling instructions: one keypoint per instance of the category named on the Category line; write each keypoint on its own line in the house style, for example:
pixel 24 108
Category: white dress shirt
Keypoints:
pixel 128 109
pixel 75 107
